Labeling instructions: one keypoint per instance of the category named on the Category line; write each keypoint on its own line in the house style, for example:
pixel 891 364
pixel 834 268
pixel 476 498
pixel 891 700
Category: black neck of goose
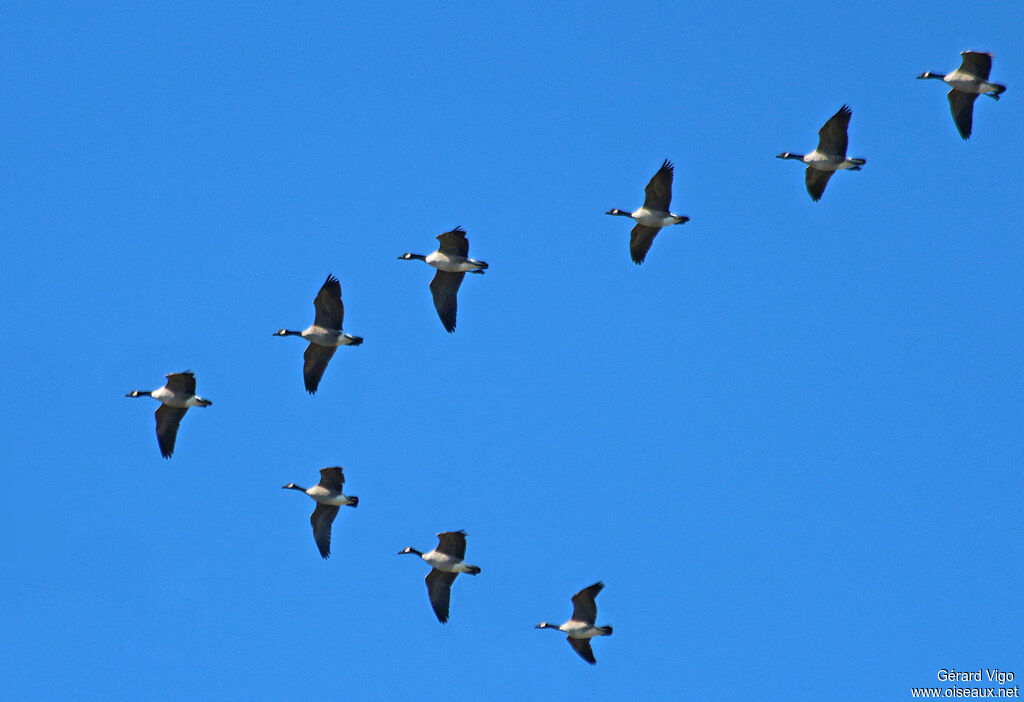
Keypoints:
pixel 412 550
pixel 929 74
pixel 795 157
pixel 140 393
pixel 619 213
pixel 293 486
pixel 289 332
pixel 417 257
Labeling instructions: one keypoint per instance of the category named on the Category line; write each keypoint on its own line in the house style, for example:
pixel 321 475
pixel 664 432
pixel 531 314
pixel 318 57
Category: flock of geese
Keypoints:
pixel 451 261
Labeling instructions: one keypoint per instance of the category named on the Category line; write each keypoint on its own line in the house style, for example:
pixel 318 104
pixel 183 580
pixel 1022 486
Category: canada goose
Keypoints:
pixel 830 156
pixel 966 84
pixel 447 561
pixel 580 628
pixel 653 215
pixel 175 397
pixel 328 497
pixel 452 263
pixel 324 335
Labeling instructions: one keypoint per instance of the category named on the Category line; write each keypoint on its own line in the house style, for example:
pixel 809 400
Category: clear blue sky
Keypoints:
pixel 790 443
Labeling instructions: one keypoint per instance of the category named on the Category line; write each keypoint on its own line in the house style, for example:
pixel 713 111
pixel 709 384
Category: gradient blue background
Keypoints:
pixel 790 443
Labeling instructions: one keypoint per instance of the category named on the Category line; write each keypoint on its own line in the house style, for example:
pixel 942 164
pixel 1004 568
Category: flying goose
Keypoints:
pixel 580 628
pixel 175 398
pixel 452 263
pixel 830 156
pixel 324 335
pixel 328 497
pixel 447 561
pixel 653 215
pixel 966 84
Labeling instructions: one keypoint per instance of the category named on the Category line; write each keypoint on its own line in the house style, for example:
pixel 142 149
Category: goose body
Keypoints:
pixel 654 215
pixel 830 156
pixel 446 561
pixel 966 84
pixel 581 628
pixel 324 335
pixel 452 262
pixel 176 397
pixel 329 498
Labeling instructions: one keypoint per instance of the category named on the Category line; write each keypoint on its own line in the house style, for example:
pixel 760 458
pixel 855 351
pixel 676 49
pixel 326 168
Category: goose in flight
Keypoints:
pixel 329 498
pixel 175 398
pixel 452 262
pixel 830 156
pixel 653 215
pixel 965 85
pixel 447 561
pixel 580 627
pixel 324 335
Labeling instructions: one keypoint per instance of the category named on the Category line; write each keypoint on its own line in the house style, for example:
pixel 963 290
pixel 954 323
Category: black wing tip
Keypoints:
pixel 667 165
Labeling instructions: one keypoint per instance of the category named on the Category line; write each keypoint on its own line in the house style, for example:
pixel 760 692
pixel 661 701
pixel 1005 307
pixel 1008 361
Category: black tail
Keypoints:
pixel 354 502
pixel 473 570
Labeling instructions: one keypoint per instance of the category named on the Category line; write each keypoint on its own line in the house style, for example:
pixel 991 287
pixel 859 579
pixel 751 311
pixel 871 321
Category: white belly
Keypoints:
pixel 579 630
pixel 648 218
pixel 451 264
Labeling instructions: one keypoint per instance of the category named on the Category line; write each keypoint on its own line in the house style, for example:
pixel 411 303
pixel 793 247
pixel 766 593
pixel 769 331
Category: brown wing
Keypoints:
pixel 454 242
pixel 316 359
pixel 640 240
pixel 832 136
pixel 184 382
pixel 962 107
pixel 452 543
pixel 445 289
pixel 976 63
pixel 584 609
pixel 658 193
pixel 582 647
pixel 332 478
pixel 330 313
pixel 816 181
pixel 321 520
pixel 439 590
pixel 167 421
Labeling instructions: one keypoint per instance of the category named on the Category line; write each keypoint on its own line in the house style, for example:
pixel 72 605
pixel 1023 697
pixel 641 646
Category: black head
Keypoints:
pixel 408 549
pixel 137 393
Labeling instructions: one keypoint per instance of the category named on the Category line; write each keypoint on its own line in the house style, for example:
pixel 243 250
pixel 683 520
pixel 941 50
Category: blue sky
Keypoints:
pixel 789 443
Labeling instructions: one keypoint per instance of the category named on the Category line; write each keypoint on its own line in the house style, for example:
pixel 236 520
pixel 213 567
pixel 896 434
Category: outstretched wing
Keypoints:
pixel 445 289
pixel 976 63
pixel 452 543
pixel 962 107
pixel 330 313
pixel 816 181
pixel 167 421
pixel 640 240
pixel 582 647
pixel 322 519
pixel 316 359
pixel 584 609
pixel 439 590
pixel 332 478
pixel 658 193
pixel 832 136
pixel 184 382
pixel 454 242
